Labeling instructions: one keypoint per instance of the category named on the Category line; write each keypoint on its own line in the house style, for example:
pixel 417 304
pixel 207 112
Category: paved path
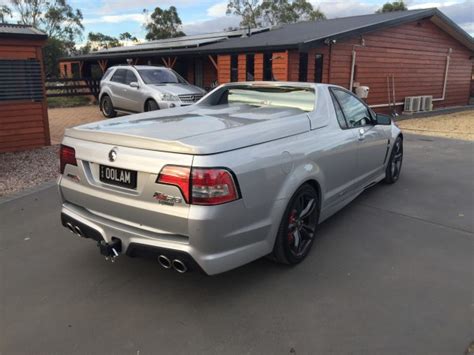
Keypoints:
pixel 390 274
pixel 62 118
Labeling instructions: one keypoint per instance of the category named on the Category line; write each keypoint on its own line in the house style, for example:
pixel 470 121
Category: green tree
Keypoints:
pixel 163 24
pixel 58 20
pixel 52 51
pixel 304 11
pixel 393 6
pixel 55 17
pixel 4 12
pixel 102 41
pixel 126 36
pixel 249 10
pixel 275 12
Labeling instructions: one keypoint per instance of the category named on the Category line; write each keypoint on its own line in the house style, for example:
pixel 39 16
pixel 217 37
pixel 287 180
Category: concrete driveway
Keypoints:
pixel 390 274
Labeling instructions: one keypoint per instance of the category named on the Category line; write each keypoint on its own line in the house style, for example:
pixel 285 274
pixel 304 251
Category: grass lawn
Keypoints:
pixel 71 101
pixel 459 125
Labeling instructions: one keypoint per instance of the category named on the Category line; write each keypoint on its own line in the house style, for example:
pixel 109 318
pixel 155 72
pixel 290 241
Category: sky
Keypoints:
pixel 113 17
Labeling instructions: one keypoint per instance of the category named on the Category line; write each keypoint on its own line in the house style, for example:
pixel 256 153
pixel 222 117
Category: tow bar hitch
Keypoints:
pixel 110 250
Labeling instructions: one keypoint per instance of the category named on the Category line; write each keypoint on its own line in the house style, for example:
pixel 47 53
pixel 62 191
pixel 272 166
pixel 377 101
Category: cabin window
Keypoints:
pixel 75 70
pixel 21 80
pixel 318 68
pixel 303 69
pixel 267 67
pixel 250 67
pixel 234 68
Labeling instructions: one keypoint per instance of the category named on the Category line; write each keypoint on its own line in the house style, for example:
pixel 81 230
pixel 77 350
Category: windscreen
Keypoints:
pixel 160 76
pixel 272 96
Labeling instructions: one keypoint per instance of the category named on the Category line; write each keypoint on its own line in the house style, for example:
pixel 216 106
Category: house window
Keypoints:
pixel 250 65
pixel 21 80
pixel 303 70
pixel 234 68
pixel 65 70
pixel 318 68
pixel 267 67
pixel 75 70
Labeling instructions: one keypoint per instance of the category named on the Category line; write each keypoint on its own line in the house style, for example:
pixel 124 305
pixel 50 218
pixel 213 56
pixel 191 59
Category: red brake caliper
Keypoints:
pixel 291 221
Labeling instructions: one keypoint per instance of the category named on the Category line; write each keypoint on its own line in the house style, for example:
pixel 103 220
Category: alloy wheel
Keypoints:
pixel 302 224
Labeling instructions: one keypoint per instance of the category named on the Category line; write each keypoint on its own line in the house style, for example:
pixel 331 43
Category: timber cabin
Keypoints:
pixel 23 108
pixel 398 55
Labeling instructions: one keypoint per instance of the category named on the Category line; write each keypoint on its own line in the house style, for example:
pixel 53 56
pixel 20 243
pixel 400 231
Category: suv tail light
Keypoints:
pixel 201 186
pixel 67 155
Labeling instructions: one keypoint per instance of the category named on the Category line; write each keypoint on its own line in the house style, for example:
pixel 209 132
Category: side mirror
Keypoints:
pixel 383 119
pixel 134 84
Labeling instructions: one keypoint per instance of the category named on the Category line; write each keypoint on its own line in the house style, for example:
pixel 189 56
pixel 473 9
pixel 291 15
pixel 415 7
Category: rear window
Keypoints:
pixel 301 98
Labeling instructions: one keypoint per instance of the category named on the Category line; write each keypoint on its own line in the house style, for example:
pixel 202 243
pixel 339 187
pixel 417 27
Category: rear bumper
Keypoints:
pixel 247 245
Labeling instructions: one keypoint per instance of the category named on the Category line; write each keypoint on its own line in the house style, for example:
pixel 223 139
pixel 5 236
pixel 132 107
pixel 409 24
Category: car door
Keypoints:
pixel 372 138
pixel 116 84
pixel 339 158
pixel 132 96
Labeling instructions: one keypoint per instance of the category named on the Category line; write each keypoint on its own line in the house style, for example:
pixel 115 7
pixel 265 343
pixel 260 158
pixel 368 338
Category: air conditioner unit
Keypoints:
pixel 412 104
pixel 408 107
pixel 427 103
pixel 416 103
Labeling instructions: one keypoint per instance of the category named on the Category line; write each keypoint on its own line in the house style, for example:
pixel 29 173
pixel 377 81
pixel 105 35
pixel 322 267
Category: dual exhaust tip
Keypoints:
pixel 163 260
pixel 75 229
pixel 176 264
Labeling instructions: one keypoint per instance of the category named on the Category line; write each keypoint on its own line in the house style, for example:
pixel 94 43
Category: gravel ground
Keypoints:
pixel 459 125
pixel 23 170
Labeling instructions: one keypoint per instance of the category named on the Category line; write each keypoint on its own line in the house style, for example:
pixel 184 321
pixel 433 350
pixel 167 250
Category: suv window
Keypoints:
pixel 130 77
pixel 119 76
pixel 356 113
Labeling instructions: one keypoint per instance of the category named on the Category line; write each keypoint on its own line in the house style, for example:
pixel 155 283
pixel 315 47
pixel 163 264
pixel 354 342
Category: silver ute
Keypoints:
pixel 248 171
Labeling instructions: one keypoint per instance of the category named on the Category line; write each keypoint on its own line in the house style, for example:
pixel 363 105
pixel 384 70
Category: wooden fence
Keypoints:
pixel 72 87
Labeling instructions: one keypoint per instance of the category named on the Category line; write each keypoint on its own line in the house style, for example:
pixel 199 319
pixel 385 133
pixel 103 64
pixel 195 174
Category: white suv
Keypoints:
pixel 143 88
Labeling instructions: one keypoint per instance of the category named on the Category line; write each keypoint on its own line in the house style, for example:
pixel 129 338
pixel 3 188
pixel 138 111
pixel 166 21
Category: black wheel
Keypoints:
pixel 298 227
pixel 394 166
pixel 107 107
pixel 151 105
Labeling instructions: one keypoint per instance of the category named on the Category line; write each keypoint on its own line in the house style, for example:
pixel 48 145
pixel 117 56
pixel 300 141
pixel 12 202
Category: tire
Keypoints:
pixel 107 107
pixel 394 166
pixel 297 229
pixel 151 105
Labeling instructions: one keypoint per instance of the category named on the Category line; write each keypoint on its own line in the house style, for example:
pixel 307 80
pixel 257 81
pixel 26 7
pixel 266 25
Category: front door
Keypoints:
pixel 372 139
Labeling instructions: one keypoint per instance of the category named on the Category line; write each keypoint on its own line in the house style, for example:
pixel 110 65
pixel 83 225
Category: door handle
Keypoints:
pixel 361 134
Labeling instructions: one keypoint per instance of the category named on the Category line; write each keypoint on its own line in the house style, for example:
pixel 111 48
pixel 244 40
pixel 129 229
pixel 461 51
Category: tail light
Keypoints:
pixel 212 186
pixel 201 186
pixel 177 176
pixel 67 155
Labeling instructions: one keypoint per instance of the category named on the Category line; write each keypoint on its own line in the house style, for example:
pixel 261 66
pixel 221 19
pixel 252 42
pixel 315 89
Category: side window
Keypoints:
pixel 339 115
pixel 130 77
pixel 355 112
pixel 119 76
pixel 107 73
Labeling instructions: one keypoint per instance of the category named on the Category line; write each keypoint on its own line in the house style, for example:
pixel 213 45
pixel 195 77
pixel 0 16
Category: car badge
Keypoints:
pixel 113 155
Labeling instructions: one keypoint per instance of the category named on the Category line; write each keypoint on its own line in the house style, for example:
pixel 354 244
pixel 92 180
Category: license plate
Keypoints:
pixel 116 176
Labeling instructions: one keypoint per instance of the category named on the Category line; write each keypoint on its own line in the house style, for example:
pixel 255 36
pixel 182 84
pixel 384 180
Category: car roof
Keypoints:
pixel 139 67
